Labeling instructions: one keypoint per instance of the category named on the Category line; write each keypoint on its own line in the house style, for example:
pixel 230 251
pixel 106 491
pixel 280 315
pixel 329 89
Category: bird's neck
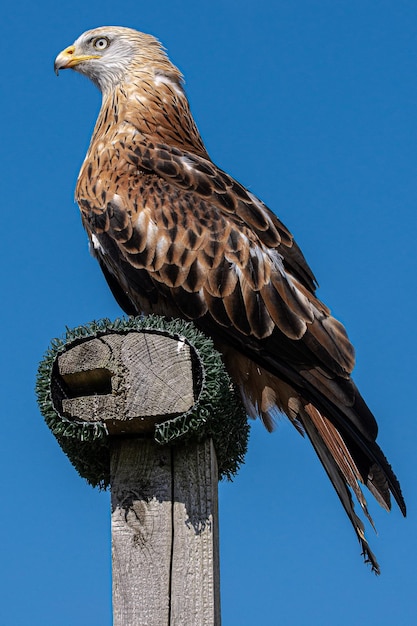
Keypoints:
pixel 153 105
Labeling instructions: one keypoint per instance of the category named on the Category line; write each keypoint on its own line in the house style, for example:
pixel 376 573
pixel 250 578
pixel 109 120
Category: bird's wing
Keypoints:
pixel 214 245
pixel 174 230
pixel 199 175
pixel 178 236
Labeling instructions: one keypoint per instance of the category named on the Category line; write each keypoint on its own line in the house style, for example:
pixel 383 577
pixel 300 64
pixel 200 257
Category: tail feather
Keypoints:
pixel 342 472
pixel 339 425
pixel 340 453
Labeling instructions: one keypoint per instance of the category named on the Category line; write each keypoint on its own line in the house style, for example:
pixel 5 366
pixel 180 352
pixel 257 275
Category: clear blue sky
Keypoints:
pixel 311 104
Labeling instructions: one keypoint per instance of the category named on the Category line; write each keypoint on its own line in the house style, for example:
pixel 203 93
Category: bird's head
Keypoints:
pixel 109 54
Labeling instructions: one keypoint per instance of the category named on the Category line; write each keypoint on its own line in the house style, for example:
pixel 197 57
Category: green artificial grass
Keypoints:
pixel 217 412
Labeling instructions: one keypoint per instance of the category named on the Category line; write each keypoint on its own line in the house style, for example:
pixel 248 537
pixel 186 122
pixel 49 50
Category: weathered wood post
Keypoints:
pixel 142 406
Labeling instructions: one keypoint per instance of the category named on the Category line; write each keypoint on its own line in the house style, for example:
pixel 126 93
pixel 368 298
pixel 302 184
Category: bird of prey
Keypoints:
pixel 177 236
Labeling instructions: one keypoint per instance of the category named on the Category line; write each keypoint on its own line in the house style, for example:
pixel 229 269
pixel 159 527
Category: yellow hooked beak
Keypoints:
pixel 67 59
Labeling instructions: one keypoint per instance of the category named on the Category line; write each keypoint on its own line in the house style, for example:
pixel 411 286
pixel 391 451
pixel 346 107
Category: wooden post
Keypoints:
pixel 164 534
pixel 165 544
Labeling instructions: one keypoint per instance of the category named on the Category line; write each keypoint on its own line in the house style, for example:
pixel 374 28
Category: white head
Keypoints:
pixel 110 54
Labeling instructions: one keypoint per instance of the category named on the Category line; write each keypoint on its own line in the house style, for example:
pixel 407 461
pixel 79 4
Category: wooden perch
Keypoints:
pixel 128 381
pixel 164 498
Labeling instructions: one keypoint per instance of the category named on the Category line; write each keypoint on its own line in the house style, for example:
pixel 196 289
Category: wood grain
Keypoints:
pixel 129 381
pixel 164 534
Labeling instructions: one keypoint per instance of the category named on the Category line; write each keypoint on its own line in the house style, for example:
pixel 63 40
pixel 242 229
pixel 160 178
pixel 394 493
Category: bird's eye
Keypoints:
pixel 101 43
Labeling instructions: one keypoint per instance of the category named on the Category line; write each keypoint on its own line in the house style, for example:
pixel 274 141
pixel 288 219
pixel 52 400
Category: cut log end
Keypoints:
pixel 129 382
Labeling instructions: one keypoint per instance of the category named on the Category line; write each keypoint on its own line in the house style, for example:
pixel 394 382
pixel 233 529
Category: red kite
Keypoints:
pixel 177 236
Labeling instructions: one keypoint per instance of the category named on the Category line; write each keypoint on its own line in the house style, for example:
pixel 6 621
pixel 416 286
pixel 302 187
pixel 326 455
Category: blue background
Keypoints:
pixel 312 105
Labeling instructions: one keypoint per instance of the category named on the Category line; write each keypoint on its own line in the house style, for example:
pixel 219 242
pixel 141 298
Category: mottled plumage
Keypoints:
pixel 177 236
